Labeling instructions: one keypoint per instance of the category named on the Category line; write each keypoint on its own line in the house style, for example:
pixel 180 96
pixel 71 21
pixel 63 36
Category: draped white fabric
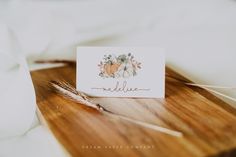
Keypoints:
pixel 17 93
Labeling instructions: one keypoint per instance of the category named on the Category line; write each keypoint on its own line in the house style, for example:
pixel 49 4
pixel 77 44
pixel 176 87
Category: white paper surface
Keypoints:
pixel 121 71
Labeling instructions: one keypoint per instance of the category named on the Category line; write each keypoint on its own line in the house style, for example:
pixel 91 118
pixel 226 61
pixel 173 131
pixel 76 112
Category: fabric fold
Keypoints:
pixel 17 93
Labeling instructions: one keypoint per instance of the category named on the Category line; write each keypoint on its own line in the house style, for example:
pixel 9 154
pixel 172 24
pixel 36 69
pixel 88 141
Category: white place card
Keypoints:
pixel 121 71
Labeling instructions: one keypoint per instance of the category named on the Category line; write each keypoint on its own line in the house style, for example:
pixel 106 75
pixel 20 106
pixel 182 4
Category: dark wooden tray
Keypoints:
pixel 208 124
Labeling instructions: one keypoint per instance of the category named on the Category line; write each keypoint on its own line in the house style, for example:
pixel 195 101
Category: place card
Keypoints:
pixel 121 71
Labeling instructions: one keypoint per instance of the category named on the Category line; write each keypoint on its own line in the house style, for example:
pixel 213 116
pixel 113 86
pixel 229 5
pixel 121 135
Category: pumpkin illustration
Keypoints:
pixel 111 69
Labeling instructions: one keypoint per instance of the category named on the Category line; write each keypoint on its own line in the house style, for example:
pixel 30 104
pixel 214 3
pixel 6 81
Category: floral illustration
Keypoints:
pixel 122 66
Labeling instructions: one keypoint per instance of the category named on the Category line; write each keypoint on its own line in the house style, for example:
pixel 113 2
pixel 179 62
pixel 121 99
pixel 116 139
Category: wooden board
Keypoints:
pixel 208 124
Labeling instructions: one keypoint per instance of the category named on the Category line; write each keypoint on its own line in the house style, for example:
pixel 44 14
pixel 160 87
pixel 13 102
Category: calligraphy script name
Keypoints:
pixel 121 87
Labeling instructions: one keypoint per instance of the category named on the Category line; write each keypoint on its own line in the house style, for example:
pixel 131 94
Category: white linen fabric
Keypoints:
pixel 17 93
pixel 52 29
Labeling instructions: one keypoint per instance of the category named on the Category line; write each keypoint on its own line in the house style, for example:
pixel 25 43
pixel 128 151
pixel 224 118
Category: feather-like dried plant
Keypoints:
pixel 68 91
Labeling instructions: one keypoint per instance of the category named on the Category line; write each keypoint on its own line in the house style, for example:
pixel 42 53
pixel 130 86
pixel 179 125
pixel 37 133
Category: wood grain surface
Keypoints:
pixel 208 124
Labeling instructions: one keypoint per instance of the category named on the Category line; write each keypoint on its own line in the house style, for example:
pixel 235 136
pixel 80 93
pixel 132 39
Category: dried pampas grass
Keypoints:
pixel 68 91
